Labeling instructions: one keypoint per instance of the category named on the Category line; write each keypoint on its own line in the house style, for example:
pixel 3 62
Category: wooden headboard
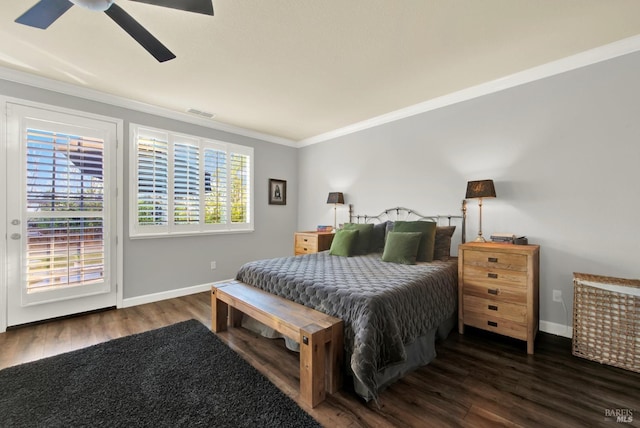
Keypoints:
pixel 406 214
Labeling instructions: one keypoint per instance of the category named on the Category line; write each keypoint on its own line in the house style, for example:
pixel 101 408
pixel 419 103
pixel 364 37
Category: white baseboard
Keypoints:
pixel 156 297
pixel 556 329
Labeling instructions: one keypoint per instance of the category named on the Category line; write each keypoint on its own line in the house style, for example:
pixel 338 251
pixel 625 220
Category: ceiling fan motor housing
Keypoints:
pixel 98 5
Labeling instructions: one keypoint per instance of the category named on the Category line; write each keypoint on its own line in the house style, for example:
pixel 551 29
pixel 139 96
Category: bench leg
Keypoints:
pixel 219 312
pixel 312 361
pixel 235 317
pixel 334 354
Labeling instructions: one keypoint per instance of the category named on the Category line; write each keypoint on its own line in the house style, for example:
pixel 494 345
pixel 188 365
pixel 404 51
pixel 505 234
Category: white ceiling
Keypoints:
pixel 301 68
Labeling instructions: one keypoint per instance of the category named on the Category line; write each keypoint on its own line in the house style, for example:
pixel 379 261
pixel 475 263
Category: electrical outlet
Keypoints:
pixel 213 265
pixel 557 296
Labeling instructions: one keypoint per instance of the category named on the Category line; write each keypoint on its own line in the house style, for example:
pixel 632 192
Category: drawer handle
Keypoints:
pixel 492 275
pixel 492 291
pixel 492 323
pixel 492 260
pixel 305 249
pixel 305 239
pixel 493 308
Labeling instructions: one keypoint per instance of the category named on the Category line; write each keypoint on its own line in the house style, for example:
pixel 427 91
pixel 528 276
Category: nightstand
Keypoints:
pixel 498 289
pixel 311 242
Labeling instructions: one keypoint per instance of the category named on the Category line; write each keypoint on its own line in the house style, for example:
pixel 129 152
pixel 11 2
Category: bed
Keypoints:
pixel 393 312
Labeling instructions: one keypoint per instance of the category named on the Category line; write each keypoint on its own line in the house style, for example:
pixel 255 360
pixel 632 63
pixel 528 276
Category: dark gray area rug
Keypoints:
pixel 180 375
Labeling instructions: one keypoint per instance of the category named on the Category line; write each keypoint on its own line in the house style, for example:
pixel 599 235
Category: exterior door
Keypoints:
pixel 61 214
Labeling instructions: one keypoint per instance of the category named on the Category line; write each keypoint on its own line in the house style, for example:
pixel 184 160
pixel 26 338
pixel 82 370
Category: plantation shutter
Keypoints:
pixel 186 184
pixel 153 181
pixel 215 167
pixel 239 188
pixel 190 185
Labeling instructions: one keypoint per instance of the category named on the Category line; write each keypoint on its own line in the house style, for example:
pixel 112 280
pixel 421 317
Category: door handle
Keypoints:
pixel 16 236
pixel 15 222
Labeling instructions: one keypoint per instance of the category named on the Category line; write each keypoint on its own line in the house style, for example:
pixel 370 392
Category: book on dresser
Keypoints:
pixel 503 237
pixel 498 289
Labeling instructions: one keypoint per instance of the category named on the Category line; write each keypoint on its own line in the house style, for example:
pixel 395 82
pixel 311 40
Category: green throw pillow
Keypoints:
pixel 402 247
pixel 343 243
pixel 364 237
pixel 427 243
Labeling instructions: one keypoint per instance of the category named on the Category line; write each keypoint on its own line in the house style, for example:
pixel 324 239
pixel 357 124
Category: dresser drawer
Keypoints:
pixel 311 242
pixel 495 308
pixel 496 324
pixel 480 275
pixel 498 289
pixel 500 293
pixel 306 244
pixel 496 260
pixel 306 240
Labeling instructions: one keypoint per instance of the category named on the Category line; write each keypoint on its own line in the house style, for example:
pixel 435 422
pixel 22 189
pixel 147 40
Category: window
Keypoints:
pixel 188 185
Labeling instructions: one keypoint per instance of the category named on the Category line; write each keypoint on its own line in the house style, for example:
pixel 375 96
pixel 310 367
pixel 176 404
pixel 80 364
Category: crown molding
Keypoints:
pixel 582 59
pixel 40 82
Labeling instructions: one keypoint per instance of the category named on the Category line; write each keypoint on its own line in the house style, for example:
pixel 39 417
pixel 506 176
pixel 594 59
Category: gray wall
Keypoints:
pixel 163 264
pixel 564 153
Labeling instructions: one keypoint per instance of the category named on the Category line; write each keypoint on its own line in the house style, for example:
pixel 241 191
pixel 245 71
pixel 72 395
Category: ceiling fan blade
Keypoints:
pixel 197 6
pixel 139 33
pixel 44 13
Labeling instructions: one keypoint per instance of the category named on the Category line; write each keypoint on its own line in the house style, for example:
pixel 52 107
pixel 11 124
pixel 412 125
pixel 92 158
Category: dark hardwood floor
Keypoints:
pixel 477 380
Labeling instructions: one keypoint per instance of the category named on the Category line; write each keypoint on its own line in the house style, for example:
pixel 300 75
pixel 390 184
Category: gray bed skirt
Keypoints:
pixel 419 353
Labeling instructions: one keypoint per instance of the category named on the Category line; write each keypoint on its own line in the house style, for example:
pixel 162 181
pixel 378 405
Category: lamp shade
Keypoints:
pixel 480 189
pixel 335 198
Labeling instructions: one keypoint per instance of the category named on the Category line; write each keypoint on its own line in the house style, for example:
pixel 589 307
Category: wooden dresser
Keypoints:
pixel 498 289
pixel 311 242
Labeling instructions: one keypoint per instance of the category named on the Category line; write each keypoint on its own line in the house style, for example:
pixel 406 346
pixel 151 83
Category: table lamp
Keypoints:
pixel 335 198
pixel 477 190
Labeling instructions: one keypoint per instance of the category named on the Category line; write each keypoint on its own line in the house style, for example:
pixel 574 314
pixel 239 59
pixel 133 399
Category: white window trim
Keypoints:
pixel 141 232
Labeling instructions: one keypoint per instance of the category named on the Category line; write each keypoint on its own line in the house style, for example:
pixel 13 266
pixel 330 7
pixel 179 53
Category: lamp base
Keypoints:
pixel 480 238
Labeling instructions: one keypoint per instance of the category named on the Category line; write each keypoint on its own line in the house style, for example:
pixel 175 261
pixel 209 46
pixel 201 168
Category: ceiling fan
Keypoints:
pixel 45 12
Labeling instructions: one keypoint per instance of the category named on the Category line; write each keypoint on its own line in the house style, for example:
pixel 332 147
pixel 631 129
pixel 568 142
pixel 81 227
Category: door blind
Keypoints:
pixel 65 204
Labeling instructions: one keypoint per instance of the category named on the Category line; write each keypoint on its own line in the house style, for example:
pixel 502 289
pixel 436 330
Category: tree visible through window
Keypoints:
pixel 215 167
pixel 239 186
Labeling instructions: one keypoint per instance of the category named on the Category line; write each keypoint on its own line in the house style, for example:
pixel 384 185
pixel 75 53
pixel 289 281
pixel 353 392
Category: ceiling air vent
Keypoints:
pixel 201 113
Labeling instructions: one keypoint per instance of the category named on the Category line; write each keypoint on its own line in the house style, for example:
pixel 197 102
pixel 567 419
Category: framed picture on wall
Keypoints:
pixel 277 192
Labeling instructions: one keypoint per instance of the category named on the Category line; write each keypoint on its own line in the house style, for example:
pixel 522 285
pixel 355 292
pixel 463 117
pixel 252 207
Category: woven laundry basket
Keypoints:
pixel 606 320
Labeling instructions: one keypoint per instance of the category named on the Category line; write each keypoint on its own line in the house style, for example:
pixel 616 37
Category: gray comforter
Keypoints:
pixel 383 305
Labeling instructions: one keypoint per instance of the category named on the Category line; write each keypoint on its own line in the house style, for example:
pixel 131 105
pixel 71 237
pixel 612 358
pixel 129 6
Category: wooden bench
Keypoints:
pixel 320 336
